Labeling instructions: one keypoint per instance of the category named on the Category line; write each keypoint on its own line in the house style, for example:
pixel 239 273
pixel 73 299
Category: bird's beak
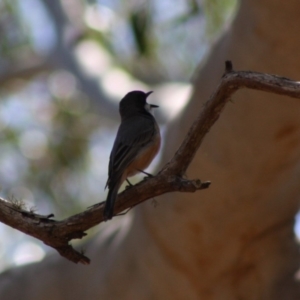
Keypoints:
pixel 151 105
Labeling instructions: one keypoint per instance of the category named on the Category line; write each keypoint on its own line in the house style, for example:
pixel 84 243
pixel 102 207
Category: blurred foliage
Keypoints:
pixel 12 32
pixel 151 39
pixel 45 142
pixel 141 22
pixel 218 12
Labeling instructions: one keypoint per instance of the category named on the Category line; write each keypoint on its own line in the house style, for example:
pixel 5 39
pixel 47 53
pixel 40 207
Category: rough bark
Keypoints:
pixel 233 241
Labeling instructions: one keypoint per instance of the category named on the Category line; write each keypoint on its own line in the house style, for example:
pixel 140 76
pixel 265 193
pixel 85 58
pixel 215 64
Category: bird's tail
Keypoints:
pixel 110 203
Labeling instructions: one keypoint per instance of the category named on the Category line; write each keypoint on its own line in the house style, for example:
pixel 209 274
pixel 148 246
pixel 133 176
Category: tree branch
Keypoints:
pixel 58 234
pixel 24 69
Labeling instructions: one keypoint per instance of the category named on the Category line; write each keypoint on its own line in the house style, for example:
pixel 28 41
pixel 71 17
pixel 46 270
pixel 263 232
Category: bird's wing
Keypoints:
pixel 132 136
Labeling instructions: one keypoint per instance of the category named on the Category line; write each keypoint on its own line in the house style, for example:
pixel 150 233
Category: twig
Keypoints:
pixel 58 234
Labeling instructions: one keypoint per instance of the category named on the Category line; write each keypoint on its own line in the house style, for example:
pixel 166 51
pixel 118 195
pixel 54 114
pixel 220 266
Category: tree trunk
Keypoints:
pixel 232 241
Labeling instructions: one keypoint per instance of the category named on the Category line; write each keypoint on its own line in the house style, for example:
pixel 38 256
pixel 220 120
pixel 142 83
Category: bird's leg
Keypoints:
pixel 148 174
pixel 129 184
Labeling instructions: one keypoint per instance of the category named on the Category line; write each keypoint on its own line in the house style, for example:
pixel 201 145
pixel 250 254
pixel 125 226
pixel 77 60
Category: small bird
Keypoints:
pixel 136 144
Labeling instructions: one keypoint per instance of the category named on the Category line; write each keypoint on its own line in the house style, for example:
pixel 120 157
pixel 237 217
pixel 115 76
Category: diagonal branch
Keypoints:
pixel 58 234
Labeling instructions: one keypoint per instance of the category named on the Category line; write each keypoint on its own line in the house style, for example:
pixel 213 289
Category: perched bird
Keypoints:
pixel 136 144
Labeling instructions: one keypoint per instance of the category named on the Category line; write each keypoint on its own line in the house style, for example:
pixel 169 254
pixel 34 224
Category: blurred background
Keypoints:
pixel 64 66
